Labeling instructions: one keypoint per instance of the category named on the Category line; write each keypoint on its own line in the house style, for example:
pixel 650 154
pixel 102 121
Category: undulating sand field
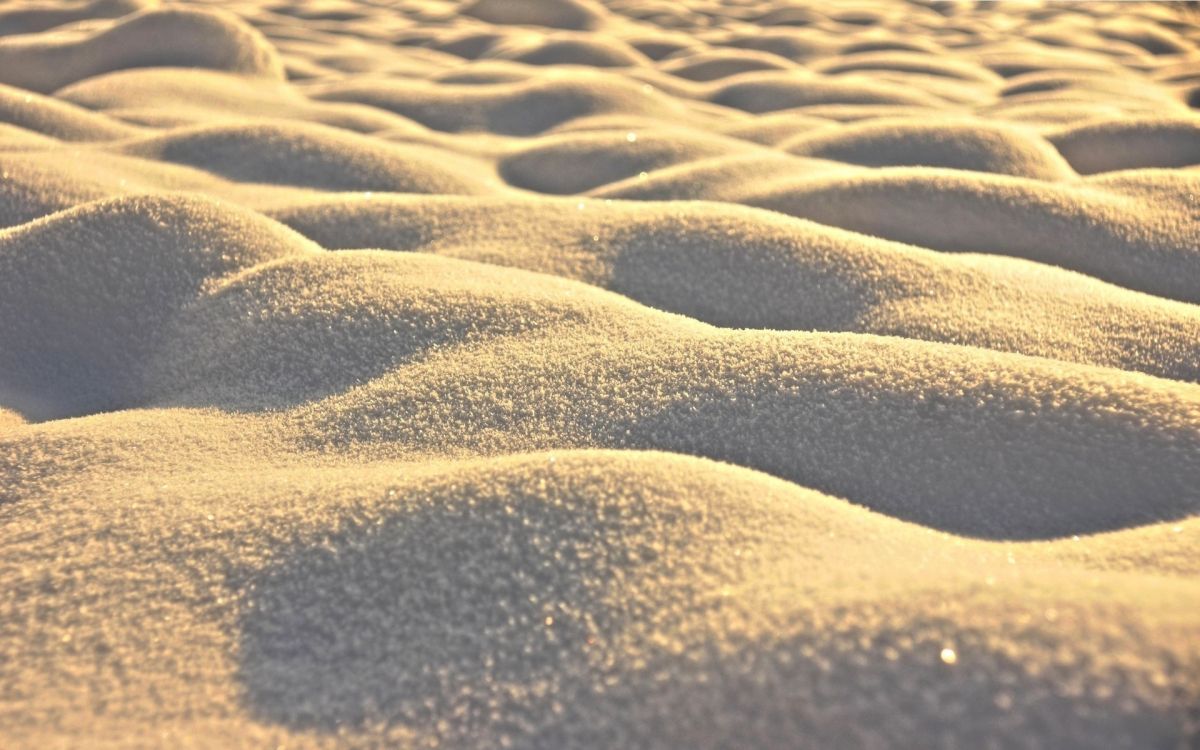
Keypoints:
pixel 579 374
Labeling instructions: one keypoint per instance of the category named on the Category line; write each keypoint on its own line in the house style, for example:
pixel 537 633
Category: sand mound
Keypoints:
pixel 13 138
pixel 743 268
pixel 1130 144
pixel 547 585
pixel 623 553
pixel 422 332
pixel 310 155
pixel 86 292
pixel 200 96
pixel 858 59
pixel 773 129
pixel 1030 219
pixel 38 182
pixel 562 49
pixel 770 92
pixel 524 108
pixel 954 145
pixel 36 17
pixel 180 37
pixel 718 179
pixel 424 338
pixel 560 14
pixel 567 374
pixel 57 119
pixel 794 45
pixel 576 162
pixel 711 65
pixel 31 188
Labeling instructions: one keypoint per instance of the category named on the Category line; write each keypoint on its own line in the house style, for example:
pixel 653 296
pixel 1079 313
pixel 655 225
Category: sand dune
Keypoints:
pixel 599 374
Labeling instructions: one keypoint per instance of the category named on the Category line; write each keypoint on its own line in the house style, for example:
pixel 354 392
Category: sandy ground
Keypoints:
pixel 567 374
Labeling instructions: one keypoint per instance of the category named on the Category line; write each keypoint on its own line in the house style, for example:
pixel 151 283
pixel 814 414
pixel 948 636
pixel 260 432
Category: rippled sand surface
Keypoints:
pixel 578 374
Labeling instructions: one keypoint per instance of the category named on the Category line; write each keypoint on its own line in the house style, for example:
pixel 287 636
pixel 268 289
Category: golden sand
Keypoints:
pixel 624 374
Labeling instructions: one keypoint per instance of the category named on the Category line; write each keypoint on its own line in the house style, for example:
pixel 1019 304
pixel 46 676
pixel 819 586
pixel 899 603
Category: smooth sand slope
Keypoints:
pixel 581 374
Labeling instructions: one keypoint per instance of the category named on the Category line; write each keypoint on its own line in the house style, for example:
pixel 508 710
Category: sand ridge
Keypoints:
pixel 599 373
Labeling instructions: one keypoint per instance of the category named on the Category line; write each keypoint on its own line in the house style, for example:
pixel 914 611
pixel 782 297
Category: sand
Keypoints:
pixel 580 374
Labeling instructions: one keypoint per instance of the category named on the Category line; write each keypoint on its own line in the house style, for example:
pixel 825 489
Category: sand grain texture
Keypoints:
pixel 599 374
